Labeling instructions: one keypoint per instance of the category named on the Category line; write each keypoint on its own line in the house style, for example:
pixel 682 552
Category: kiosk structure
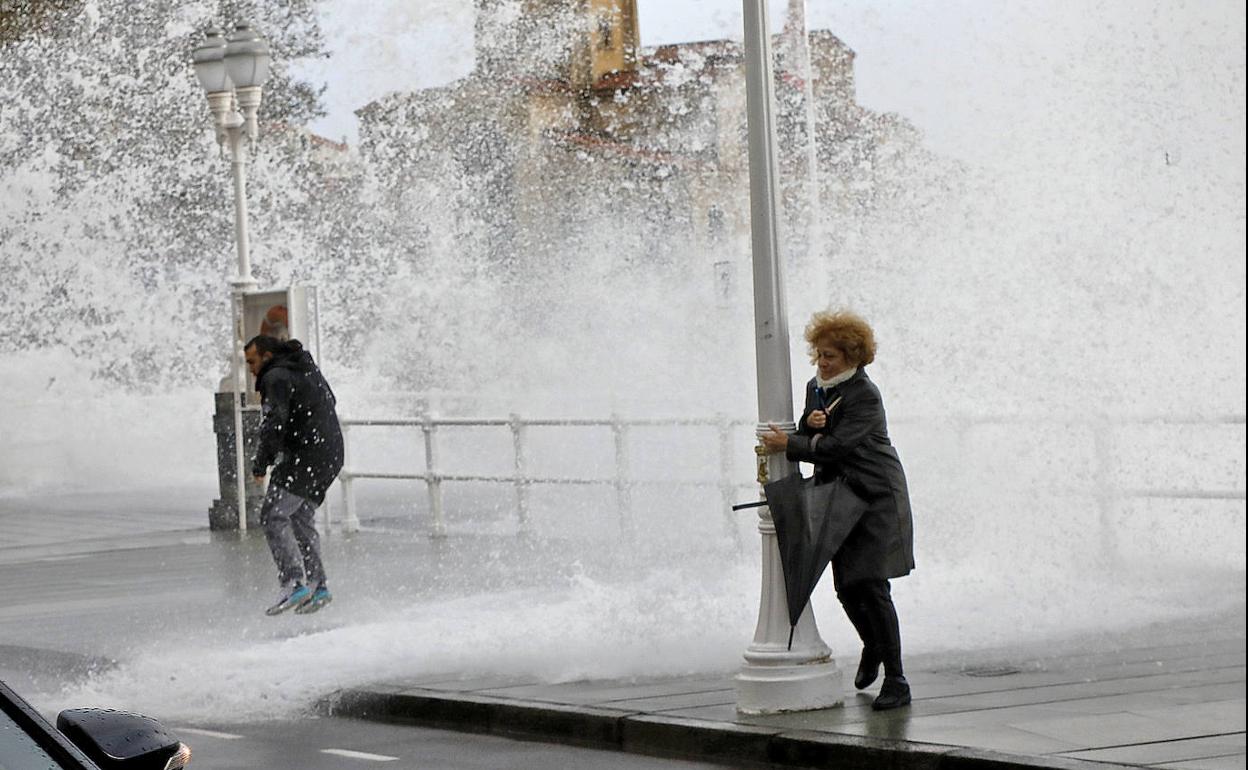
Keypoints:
pixel 289 313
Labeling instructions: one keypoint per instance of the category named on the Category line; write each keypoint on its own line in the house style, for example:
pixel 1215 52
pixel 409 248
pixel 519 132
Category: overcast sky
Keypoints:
pixel 974 75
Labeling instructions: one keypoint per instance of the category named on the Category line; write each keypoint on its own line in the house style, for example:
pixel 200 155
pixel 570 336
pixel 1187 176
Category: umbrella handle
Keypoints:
pixel 742 506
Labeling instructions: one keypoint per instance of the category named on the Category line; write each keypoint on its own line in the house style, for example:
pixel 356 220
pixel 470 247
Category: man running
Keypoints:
pixel 300 437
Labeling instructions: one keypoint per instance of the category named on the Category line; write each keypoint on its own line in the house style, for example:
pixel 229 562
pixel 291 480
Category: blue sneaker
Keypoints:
pixel 293 596
pixel 320 597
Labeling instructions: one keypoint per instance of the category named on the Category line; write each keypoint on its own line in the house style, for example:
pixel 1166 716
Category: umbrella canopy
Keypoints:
pixel 812 521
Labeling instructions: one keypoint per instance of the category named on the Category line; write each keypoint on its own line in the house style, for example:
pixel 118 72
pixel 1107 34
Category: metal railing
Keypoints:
pixel 1105 436
pixel 1104 431
pixel 520 478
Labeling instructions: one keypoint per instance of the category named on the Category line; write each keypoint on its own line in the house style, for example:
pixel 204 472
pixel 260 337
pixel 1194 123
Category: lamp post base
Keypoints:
pixel 776 689
pixel 223 515
pixel 788 667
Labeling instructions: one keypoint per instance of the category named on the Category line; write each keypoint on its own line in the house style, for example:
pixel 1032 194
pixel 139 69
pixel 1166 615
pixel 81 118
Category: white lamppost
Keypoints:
pixel 232 71
pixel 775 677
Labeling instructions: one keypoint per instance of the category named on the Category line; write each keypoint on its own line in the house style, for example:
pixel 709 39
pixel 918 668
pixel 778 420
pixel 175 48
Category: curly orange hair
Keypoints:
pixel 844 330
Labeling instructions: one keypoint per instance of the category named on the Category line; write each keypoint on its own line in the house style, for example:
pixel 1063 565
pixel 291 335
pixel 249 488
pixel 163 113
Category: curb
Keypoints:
pixel 670 736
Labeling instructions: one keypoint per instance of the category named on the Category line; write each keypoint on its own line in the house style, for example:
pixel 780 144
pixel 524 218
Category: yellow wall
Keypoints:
pixel 610 43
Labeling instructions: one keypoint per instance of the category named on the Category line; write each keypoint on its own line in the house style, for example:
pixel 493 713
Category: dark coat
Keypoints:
pixel 299 428
pixel 855 444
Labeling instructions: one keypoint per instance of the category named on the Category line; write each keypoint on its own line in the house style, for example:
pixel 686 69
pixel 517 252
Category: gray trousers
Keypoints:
pixel 289 523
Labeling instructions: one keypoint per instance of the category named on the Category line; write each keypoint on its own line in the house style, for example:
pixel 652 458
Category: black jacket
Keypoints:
pixel 299 429
pixel 855 444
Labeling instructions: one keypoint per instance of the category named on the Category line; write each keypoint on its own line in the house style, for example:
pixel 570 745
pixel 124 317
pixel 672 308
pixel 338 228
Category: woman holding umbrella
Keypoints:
pixel 844 433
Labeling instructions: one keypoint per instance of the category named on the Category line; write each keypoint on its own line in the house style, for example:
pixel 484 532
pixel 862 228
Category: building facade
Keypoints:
pixel 566 127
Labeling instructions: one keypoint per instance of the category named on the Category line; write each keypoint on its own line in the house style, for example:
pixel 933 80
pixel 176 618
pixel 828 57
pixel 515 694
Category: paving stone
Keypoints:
pixel 1213 763
pixel 718 713
pixel 999 738
pixel 605 693
pixel 1114 695
pixel 1206 717
pixel 483 684
pixel 1168 751
pixel 978 759
pixel 1092 731
pixel 660 704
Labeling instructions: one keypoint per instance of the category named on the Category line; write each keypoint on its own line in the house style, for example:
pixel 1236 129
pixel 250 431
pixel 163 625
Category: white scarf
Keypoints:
pixel 837 379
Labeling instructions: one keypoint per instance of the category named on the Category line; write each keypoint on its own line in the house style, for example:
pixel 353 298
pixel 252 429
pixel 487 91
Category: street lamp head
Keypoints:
pixel 209 59
pixel 247 56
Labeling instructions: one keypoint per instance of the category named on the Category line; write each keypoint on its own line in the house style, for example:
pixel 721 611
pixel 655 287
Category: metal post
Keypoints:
pixel 327 508
pixel 521 483
pixel 726 487
pixel 623 492
pixel 775 677
pixel 351 521
pixel 433 481
pixel 240 393
pixel 232 71
pixel 242 236
pixel 348 495
pixel 230 122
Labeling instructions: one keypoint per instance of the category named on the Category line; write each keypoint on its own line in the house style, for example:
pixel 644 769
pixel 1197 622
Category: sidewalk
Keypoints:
pixel 1170 696
pixel 1174 705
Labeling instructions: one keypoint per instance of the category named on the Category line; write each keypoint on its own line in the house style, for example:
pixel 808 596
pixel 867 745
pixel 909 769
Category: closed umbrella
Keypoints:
pixel 812 521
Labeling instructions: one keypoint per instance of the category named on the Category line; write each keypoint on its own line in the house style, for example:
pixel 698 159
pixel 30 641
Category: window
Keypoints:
pixel 606 32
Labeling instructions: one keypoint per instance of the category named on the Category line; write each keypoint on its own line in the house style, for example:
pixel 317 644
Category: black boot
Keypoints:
pixel 856 610
pixel 886 631
pixel 894 693
pixel 868 668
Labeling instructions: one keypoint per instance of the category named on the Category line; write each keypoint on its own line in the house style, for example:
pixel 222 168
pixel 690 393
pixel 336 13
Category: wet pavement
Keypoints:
pixel 1161 697
pixel 1169 695
pixel 1173 705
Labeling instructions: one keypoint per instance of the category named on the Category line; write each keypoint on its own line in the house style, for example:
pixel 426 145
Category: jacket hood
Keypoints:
pixel 294 358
